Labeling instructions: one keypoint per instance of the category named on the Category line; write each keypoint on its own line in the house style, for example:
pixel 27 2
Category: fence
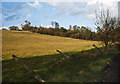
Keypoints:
pixel 28 69
pixel 68 57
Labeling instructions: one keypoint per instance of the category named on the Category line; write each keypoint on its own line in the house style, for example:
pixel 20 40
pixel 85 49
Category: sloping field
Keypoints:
pixel 28 44
pixel 38 51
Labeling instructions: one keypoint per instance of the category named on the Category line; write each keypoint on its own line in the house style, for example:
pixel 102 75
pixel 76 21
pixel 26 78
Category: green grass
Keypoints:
pixel 85 65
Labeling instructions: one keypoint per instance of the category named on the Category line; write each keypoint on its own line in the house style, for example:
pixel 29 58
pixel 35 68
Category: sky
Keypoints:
pixel 43 12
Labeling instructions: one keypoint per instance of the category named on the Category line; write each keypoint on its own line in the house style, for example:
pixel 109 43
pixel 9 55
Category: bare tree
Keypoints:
pixel 106 27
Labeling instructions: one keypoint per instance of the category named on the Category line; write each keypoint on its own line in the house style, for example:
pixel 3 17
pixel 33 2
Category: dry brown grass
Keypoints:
pixel 28 44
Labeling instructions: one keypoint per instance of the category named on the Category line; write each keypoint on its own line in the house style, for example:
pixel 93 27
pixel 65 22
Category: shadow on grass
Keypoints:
pixel 85 66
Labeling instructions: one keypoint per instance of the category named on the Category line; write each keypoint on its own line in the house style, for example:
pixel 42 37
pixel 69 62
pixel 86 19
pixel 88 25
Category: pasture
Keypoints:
pixel 38 51
pixel 28 44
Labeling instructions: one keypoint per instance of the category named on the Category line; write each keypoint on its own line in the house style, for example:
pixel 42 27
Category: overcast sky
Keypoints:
pixel 42 12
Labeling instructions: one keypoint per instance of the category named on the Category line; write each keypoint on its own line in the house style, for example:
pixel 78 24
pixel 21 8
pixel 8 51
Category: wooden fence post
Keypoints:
pixel 99 51
pixel 28 69
pixel 63 54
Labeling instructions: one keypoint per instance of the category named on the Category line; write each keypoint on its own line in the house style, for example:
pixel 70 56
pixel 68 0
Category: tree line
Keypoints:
pixel 108 29
pixel 73 32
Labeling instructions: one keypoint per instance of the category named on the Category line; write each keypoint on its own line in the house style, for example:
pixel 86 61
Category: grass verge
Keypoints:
pixel 85 66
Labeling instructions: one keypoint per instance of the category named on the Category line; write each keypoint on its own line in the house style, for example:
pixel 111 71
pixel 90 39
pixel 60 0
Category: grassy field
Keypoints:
pixel 27 44
pixel 39 53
